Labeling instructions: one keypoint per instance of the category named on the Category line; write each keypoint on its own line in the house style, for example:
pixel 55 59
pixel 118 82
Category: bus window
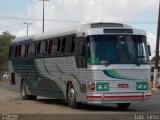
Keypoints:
pixel 38 48
pixel 82 53
pixel 59 46
pixel 73 44
pixel 68 45
pixel 63 45
pixel 43 48
pixel 46 48
pixel 23 50
pixel 26 50
pixel 31 49
pixel 50 47
pixel 19 51
pixel 54 48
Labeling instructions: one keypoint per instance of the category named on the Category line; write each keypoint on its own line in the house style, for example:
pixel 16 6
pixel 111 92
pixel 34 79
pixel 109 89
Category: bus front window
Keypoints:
pixel 117 49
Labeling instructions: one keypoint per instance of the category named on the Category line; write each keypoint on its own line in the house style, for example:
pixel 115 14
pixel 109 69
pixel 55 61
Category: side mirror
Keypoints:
pixel 149 49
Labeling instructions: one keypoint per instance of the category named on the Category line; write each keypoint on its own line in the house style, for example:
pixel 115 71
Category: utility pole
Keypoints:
pixel 157 53
pixel 43 15
pixel 27 26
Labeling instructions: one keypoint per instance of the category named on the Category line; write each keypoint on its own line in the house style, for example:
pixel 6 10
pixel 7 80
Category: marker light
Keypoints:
pixel 92 86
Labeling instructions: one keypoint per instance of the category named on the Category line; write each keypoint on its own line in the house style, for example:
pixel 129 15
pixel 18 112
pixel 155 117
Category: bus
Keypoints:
pixel 94 63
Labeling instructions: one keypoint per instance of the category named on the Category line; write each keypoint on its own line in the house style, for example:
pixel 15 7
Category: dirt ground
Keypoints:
pixel 12 106
pixel 11 102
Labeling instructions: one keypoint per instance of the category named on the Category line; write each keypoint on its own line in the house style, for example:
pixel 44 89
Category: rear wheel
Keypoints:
pixel 71 97
pixel 123 105
pixel 24 94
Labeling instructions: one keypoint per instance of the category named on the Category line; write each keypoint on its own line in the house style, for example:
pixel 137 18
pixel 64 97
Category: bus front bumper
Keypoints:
pixel 117 97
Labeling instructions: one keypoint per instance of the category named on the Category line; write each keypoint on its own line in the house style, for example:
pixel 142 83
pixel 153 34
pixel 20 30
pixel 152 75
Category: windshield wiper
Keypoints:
pixel 135 61
pixel 108 63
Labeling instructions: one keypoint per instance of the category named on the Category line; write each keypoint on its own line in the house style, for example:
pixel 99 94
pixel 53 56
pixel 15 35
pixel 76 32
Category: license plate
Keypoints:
pixel 123 86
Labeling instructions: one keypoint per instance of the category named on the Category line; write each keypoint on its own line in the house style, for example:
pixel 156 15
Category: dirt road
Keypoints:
pixel 11 102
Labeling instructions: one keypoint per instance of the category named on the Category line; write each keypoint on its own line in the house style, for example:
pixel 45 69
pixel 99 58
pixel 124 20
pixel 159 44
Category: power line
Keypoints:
pixel 72 21
pixel 33 19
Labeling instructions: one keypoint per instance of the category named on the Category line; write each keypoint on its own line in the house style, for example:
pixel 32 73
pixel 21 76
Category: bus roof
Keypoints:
pixel 80 30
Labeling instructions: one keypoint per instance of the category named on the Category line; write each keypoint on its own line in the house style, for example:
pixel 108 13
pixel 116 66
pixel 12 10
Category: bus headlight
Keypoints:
pixel 142 85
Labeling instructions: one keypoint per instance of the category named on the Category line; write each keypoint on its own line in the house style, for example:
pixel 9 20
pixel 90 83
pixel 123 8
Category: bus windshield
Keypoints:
pixel 117 49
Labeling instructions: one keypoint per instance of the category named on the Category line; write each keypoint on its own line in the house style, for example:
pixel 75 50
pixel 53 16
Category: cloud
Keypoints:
pixel 68 12
pixel 151 38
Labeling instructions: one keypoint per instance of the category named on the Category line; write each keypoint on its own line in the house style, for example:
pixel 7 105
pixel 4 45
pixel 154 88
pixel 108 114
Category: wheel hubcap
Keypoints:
pixel 71 95
pixel 23 91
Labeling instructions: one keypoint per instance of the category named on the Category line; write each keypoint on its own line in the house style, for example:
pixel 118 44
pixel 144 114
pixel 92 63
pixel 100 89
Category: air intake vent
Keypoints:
pixel 101 25
pixel 118 31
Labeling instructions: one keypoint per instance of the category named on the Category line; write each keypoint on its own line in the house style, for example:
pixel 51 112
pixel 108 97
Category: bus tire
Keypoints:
pixel 123 105
pixel 24 94
pixel 71 97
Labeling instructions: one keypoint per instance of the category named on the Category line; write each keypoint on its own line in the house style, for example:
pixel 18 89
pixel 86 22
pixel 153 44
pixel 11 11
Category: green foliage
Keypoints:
pixel 5 39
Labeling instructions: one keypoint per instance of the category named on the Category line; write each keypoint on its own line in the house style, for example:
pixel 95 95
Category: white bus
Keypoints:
pixel 96 63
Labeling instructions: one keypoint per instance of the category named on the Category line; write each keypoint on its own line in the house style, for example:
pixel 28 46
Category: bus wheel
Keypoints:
pixel 24 94
pixel 71 97
pixel 123 105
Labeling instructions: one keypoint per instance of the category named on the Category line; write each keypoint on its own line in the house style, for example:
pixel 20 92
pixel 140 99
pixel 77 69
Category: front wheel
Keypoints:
pixel 123 105
pixel 24 94
pixel 71 97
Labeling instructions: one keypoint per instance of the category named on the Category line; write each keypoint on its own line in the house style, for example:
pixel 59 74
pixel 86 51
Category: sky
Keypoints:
pixel 59 14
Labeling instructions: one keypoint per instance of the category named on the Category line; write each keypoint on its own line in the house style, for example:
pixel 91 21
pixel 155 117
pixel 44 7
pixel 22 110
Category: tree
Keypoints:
pixel 5 39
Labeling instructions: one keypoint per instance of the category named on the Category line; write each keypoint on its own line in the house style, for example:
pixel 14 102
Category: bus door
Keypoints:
pixel 82 63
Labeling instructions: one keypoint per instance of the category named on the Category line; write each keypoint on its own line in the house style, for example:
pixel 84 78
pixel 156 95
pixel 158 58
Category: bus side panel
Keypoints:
pixel 37 83
pixel 59 70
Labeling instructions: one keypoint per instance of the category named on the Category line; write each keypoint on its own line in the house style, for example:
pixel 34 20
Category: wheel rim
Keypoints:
pixel 71 95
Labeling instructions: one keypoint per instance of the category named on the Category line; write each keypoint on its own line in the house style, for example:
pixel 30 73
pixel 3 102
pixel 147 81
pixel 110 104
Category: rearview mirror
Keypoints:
pixel 149 49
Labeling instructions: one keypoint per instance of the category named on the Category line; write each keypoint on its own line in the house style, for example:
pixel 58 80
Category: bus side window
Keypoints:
pixel 63 45
pixel 72 45
pixel 38 48
pixel 23 50
pixel 50 47
pixel 82 53
pixel 46 48
pixel 43 48
pixel 59 46
pixel 19 51
pixel 31 49
pixel 26 50
pixel 54 48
